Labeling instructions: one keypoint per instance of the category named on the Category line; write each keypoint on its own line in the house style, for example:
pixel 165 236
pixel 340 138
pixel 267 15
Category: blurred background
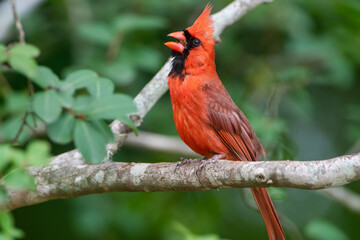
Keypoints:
pixel 293 67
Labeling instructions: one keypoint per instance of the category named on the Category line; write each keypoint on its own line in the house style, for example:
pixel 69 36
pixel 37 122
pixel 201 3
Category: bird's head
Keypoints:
pixel 195 49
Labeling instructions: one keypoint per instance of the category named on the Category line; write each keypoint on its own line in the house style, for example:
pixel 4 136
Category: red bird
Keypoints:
pixel 205 116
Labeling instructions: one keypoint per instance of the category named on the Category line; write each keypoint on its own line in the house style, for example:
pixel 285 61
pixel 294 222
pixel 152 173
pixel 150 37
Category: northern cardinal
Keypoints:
pixel 205 116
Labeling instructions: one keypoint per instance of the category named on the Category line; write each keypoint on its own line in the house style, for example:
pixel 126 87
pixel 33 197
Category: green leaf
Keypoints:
pixel 97 32
pixel 6 221
pixel 101 87
pixel 9 231
pixel 25 50
pixel 78 79
pixel 3 56
pixel 38 153
pixel 66 100
pixel 128 22
pixel 23 64
pixel 90 141
pixel 61 131
pixel 82 103
pixel 47 105
pixel 105 129
pixel 323 230
pixel 19 179
pixel 111 107
pixel 45 77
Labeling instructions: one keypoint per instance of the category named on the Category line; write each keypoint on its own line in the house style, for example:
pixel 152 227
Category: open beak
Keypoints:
pixel 177 46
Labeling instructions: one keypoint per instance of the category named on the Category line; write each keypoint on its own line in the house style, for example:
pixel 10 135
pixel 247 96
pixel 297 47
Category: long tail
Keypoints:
pixel 268 213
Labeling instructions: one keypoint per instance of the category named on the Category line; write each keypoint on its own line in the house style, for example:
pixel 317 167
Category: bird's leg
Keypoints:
pixel 206 161
pixel 184 161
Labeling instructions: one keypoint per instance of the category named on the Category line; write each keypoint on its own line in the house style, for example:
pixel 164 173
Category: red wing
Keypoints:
pixel 232 126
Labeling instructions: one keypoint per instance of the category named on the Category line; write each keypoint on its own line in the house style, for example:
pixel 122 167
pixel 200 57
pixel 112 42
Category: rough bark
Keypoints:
pixel 59 180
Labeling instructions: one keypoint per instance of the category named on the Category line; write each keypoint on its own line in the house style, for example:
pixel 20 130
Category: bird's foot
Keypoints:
pixel 204 162
pixel 184 161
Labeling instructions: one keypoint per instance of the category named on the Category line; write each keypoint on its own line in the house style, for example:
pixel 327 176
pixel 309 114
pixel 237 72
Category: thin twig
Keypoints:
pixel 18 23
pixel 23 123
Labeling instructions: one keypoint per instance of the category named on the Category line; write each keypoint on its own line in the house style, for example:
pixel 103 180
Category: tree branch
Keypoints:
pixel 71 180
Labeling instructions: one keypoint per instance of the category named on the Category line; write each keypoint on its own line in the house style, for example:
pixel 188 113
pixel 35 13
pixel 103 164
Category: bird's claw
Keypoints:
pixel 184 161
pixel 205 162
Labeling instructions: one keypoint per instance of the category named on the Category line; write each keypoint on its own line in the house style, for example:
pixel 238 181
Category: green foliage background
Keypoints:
pixel 292 66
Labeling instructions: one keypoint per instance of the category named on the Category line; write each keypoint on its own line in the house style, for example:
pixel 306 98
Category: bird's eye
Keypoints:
pixel 196 42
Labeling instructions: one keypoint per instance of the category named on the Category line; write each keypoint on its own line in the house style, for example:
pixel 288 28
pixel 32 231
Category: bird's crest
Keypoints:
pixel 203 24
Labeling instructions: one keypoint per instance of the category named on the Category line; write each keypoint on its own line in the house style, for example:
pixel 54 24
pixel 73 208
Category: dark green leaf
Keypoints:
pixel 19 179
pixel 61 131
pixel 111 107
pixel 90 141
pixel 26 50
pixel 45 77
pixel 47 105
pixel 101 87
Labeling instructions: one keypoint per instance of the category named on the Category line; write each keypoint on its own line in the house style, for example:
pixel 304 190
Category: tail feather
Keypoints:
pixel 268 213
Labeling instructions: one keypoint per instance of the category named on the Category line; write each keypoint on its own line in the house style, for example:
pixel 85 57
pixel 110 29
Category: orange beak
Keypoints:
pixel 177 46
